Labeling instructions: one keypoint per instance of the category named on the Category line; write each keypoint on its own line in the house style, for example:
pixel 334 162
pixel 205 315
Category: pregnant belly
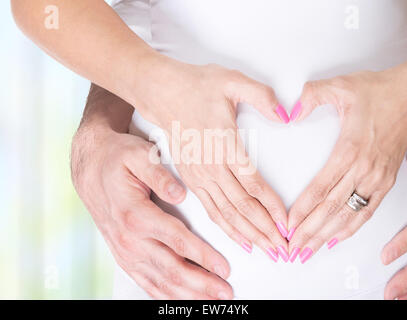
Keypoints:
pixel 288 157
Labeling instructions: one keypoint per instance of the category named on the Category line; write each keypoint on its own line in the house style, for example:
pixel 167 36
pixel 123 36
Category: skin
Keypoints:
pixel 165 91
pixel 373 111
pixel 149 244
pixel 397 286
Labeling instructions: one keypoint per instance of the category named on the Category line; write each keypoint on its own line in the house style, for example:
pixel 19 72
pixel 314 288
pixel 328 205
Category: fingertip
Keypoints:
pixel 282 113
pixel 384 258
pixel 296 111
pixel 389 292
pixel 176 193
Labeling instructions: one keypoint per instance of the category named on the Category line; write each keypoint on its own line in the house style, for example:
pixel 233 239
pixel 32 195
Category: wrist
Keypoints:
pixel 157 79
pixel 87 151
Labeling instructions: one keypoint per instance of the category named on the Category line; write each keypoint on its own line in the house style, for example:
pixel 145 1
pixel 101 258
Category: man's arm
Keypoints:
pixel 113 175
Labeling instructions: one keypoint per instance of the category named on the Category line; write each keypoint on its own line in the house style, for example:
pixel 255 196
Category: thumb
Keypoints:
pixel 144 164
pixel 260 96
pixel 314 94
pixel 395 248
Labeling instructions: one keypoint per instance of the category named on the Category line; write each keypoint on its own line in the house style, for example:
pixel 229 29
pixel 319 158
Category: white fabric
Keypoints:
pixel 284 44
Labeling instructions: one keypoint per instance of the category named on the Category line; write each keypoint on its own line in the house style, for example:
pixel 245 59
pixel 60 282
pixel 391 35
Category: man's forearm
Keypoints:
pixel 106 111
pixel 105 114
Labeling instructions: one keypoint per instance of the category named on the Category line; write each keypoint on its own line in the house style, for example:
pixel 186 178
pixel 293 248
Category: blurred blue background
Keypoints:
pixel 49 246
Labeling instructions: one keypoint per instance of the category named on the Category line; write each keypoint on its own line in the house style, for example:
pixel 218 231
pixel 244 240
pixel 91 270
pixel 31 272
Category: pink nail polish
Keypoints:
pixel 283 230
pixel 294 254
pixel 247 247
pixel 296 111
pixel 273 254
pixel 291 233
pixel 282 114
pixel 283 253
pixel 305 255
pixel 332 243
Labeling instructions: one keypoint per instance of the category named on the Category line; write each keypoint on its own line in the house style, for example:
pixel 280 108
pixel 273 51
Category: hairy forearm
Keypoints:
pixel 105 115
pixel 106 111
pixel 91 39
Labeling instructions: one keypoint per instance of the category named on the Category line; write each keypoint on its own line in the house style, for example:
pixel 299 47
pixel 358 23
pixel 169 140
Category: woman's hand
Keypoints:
pixel 397 286
pixel 373 110
pixel 92 36
pixel 196 106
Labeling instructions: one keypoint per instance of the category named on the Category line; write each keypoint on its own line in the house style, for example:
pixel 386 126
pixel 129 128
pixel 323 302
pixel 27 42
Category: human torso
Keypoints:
pixel 284 44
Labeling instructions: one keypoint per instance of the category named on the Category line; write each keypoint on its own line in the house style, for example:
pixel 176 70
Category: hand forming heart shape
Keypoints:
pixel 366 158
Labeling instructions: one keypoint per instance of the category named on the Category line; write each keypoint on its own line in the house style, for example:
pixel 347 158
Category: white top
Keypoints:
pixel 284 44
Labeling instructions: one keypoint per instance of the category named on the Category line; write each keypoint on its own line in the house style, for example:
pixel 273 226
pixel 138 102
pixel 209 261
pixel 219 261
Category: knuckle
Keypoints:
pixel 214 216
pixel 317 193
pixel 159 175
pixel 255 189
pixel 390 182
pixel 124 242
pixel 157 263
pixel 174 275
pixel 332 207
pixel 350 152
pixel 346 215
pixel 365 167
pixel 367 214
pixel 178 244
pixel 246 206
pixel 130 220
pixel 309 88
pixel 163 286
pixel 305 236
pixel 228 212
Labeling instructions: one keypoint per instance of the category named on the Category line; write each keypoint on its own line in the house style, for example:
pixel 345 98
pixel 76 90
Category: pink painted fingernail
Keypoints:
pixel 273 254
pixel 294 254
pixel 282 114
pixel 283 253
pixel 296 111
pixel 305 255
pixel 283 230
pixel 291 233
pixel 332 243
pixel 247 246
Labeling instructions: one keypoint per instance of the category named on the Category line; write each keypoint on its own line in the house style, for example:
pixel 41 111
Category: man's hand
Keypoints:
pixel 397 286
pixel 113 175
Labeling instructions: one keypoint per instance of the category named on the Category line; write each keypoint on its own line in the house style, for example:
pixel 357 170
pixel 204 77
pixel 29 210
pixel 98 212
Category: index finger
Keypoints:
pixel 338 164
pixel 173 233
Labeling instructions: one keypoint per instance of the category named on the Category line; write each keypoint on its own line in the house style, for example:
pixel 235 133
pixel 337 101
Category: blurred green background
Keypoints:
pixel 49 246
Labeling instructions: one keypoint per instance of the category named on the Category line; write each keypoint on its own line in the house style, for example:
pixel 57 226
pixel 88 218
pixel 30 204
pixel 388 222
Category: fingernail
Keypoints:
pixel 305 255
pixel 247 246
pixel 220 271
pixel 291 233
pixel 223 296
pixel 296 111
pixel 294 254
pixel 283 253
pixel 175 191
pixel 282 114
pixel 273 254
pixel 332 243
pixel 282 229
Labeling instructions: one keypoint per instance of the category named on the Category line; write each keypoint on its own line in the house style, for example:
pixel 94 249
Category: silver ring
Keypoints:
pixel 356 202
